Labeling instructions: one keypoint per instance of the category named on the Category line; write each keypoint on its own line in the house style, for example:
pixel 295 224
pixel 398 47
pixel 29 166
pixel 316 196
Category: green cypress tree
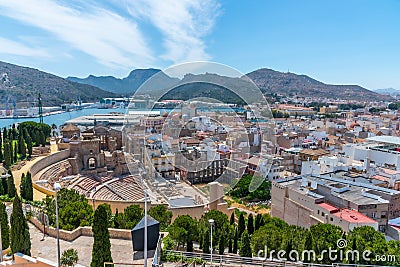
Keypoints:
pixel 5 229
pixel 36 137
pixel 232 219
pixel 22 190
pixel 28 187
pixel 258 222
pixel 42 138
pixel 241 225
pixel 20 238
pixel 29 144
pixel 23 149
pixel 245 248
pixel 7 158
pixel 206 242
pixel 4 184
pixel 230 248
pixel 10 185
pixel 19 150
pixel 1 188
pixel 5 133
pixel 221 245
pixel 1 149
pixel 15 152
pixel 9 134
pixel 250 224
pixel 235 242
pixel 101 251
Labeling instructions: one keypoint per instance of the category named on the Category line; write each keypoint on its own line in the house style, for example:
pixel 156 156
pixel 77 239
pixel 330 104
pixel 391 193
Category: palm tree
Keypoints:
pixel 69 257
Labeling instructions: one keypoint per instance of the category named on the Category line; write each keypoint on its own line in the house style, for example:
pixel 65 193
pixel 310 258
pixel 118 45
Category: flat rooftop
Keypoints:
pixel 394 140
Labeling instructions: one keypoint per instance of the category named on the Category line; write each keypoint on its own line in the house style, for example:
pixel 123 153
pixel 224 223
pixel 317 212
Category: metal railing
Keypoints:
pixel 157 254
pixel 236 261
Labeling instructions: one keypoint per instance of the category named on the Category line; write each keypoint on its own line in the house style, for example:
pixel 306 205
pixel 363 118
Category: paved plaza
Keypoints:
pixel 121 250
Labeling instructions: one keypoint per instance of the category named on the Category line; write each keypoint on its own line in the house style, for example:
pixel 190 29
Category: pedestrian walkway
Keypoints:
pixel 121 250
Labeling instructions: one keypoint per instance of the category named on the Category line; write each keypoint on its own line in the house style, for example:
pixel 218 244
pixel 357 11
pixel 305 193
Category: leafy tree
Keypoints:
pixel 394 106
pixel 250 224
pixel 5 229
pixel 241 225
pixel 74 209
pixel 10 185
pixel 394 249
pixel 325 236
pixel 221 225
pixel 69 257
pixel 270 236
pixel 367 238
pixel 20 238
pixel 133 214
pixel 183 231
pixel 75 214
pixel 101 251
pixel 162 215
pixel 245 248
pixel 241 189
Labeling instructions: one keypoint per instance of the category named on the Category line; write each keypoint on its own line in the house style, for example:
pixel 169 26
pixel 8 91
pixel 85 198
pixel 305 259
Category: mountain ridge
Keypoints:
pixel 274 82
pixel 268 80
pixel 22 84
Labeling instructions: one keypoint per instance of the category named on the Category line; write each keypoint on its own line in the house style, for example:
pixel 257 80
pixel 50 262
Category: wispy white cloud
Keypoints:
pixel 184 24
pixel 111 39
pixel 11 47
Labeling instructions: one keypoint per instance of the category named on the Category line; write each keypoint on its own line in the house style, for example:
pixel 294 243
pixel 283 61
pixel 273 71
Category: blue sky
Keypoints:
pixel 341 42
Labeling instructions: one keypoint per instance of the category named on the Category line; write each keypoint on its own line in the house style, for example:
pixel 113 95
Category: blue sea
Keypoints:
pixel 59 119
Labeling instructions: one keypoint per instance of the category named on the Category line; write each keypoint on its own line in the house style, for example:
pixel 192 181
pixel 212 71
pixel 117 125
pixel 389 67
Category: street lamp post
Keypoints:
pixel 211 221
pixel 142 173
pixel 1 241
pixel 57 187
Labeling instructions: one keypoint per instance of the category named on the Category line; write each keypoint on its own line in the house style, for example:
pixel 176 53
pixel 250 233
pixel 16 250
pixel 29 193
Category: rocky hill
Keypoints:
pixel 128 85
pixel 269 81
pixel 291 84
pixel 23 85
pixel 388 91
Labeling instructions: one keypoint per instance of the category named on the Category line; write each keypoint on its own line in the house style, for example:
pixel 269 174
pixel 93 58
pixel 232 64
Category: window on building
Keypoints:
pixel 373 215
pixel 323 214
pixel 331 219
pixel 383 214
pixel 318 212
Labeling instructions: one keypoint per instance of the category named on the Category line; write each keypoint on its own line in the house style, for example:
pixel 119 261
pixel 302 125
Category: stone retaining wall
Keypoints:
pixel 80 231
